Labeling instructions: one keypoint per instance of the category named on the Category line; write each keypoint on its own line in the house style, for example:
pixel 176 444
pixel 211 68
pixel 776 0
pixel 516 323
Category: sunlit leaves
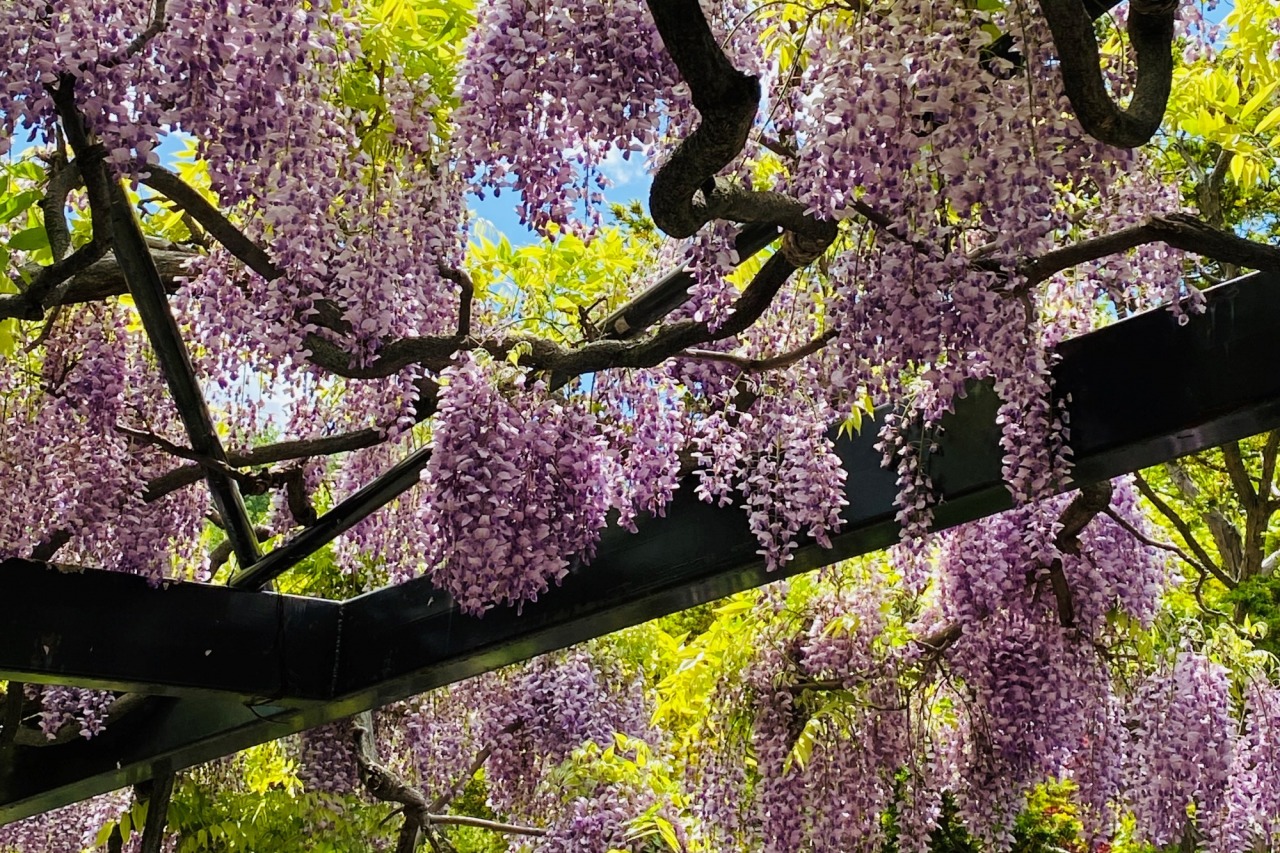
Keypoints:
pixel 1227 98
pixel 559 289
pixel 414 42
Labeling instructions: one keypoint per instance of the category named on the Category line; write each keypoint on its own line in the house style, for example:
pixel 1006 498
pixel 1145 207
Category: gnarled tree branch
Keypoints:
pixel 43 292
pixel 1150 28
pixel 386 785
pixel 686 194
pixel 268 454
pixel 1091 500
pixel 1179 230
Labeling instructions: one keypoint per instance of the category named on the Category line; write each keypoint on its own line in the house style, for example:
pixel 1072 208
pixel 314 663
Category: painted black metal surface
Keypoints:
pixel 114 631
pixel 152 302
pixel 672 290
pixel 1139 392
pixel 357 507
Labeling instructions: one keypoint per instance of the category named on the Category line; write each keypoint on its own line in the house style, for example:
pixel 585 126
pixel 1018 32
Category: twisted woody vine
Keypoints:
pixel 958 185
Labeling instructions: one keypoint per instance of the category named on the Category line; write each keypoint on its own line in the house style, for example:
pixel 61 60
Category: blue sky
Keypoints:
pixel 628 178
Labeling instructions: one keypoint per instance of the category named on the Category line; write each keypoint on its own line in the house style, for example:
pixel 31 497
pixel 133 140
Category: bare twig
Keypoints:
pixel 777 146
pixel 163 443
pixel 1239 476
pixel 1269 452
pixel 1148 541
pixel 142 39
pixel 759 365
pixel 451 793
pixel 1202 561
pixel 494 825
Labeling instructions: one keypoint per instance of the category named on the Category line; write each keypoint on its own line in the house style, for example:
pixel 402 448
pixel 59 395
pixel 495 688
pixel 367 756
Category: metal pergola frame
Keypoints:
pixel 225 667
pixel 207 670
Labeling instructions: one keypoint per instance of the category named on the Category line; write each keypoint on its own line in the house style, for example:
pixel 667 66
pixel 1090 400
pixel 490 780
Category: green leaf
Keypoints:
pixel 17 203
pixel 8 341
pixel 1259 99
pixel 668 833
pixel 103 834
pixel 802 749
pixel 1269 121
pixel 30 239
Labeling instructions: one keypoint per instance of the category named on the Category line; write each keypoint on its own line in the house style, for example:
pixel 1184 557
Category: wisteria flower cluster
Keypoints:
pixel 514 489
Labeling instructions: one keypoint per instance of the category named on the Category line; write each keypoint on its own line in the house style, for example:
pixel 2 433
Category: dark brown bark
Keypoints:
pixel 157 813
pixel 268 454
pixel 1179 230
pixel 1086 505
pixel 686 192
pixel 385 785
pixel 1150 29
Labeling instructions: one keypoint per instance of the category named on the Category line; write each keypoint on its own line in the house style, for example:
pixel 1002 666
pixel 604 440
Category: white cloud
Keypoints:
pixel 622 172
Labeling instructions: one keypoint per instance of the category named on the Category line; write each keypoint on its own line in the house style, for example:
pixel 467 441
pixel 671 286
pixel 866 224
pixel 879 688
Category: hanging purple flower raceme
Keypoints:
pixel 643 423
pixel 1038 698
pixel 548 91
pixel 536 716
pixel 515 489
pixel 327 760
pixel 1036 701
pixel 779 457
pixel 1252 814
pixel 1003 562
pixel 86 710
pixel 830 727
pixel 70 829
pixel 1179 754
pixel 597 822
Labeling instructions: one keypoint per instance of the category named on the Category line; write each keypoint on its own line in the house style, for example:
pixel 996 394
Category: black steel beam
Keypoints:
pixel 114 631
pixel 1139 392
pixel 406 474
pixel 672 290
pixel 152 302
